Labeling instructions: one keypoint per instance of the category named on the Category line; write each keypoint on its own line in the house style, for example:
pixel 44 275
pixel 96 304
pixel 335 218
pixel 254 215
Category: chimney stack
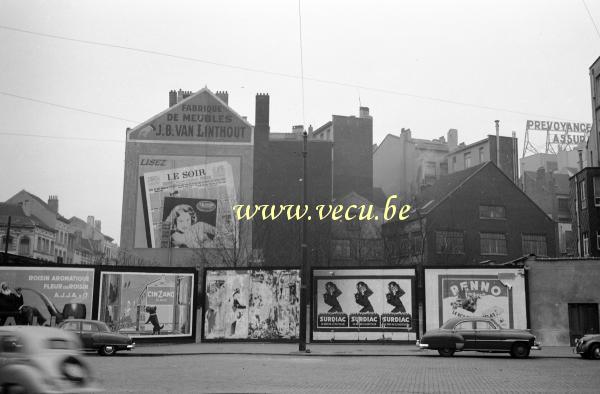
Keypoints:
pixel 98 225
pixel 261 116
pixel 172 98
pixel 90 221
pixel 298 129
pixel 53 203
pixel 223 96
pixel 364 112
pixel 452 139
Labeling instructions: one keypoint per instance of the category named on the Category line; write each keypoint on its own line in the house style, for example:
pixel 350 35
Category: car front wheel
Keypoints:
pixel 595 352
pixel 520 350
pixel 107 350
pixel 446 352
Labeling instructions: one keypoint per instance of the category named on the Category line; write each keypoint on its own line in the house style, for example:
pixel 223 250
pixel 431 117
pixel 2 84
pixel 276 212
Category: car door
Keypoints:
pixel 88 330
pixel 466 329
pixel 489 337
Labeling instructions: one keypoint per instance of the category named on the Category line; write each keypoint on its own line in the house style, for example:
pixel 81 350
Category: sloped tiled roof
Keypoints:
pixel 444 186
pixel 18 217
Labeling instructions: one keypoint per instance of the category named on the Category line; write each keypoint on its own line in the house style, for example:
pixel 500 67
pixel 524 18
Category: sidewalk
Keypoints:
pixel 320 349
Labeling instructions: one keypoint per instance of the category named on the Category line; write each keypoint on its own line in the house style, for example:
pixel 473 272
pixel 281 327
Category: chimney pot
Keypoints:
pixel 172 98
pixel 223 96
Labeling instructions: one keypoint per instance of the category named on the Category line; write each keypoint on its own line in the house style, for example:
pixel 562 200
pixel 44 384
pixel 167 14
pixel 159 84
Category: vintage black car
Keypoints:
pixel 588 346
pixel 95 335
pixel 480 334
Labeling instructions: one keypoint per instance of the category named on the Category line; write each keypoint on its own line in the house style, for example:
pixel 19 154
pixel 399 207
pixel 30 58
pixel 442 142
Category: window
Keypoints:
pixel 444 168
pixel 563 204
pixel 484 325
pixel 450 242
pixel 598 240
pixel 340 248
pixel 467 159
pixel 493 243
pixel 403 245
pixel 88 327
pixel 586 244
pixel 71 326
pixel 453 163
pixel 534 244
pixel 582 197
pixel 464 326
pixel 481 157
pixel 24 249
pixel 430 169
pixel 492 212
pixel 597 191
pixel 416 242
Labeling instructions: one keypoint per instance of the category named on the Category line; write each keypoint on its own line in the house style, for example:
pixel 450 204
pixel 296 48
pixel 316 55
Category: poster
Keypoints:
pixel 475 295
pixel 186 202
pixel 252 304
pixel 48 295
pixel 141 304
pixel 375 301
pixel 498 293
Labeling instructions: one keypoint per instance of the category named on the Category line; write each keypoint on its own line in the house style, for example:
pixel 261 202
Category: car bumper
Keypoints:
pixel 537 346
pixel 131 347
pixel 422 345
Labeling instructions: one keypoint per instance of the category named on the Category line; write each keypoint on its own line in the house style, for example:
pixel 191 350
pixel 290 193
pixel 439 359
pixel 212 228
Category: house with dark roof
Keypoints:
pixel 28 236
pixel 470 217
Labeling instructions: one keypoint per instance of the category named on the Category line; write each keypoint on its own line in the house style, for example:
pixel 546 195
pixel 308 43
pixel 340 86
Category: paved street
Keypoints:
pixel 340 370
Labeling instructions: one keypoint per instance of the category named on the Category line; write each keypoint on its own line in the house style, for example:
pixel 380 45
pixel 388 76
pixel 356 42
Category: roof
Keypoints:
pixel 444 186
pixel 18 217
pixel 325 126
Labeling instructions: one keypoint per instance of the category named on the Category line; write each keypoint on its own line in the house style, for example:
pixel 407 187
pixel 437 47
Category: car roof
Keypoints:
pixel 36 333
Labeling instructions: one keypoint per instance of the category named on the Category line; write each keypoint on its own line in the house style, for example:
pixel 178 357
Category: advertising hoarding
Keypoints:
pixel 146 304
pixel 186 201
pixel 201 118
pixel 48 295
pixel 252 304
pixel 363 304
pixel 498 293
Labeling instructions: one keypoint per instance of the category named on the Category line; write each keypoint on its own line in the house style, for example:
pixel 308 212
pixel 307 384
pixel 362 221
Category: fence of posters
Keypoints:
pixel 45 295
pixel 143 304
pixel 363 304
pixel 491 292
pixel 186 202
pixel 251 304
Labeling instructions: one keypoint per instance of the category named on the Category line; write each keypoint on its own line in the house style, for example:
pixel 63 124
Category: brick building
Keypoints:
pixel 471 217
pixel 585 211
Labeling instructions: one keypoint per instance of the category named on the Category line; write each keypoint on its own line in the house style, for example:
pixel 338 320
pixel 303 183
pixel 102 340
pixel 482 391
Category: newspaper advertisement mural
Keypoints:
pixel 186 202
pixel 373 301
pixel 142 304
pixel 252 304
pixel 495 293
pixel 45 295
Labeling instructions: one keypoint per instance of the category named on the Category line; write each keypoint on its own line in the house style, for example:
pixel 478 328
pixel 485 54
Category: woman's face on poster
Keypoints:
pixel 183 221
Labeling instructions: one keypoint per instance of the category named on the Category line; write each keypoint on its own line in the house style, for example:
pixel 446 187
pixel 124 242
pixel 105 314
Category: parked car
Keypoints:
pixel 36 359
pixel 478 334
pixel 588 346
pixel 95 335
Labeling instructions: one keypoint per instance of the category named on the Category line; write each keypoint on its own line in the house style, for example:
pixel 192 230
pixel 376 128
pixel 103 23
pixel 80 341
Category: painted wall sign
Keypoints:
pixel 200 118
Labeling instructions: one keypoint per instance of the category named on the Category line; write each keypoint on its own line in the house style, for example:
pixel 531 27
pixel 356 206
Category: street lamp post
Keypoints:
pixel 304 246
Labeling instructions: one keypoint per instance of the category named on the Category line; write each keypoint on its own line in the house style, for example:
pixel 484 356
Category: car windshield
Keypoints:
pixel 449 325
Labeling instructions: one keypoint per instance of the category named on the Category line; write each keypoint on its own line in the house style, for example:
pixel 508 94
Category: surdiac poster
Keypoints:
pixel 364 303
pixel 252 304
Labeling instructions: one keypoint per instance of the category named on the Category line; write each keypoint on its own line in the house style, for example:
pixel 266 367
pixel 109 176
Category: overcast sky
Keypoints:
pixel 426 65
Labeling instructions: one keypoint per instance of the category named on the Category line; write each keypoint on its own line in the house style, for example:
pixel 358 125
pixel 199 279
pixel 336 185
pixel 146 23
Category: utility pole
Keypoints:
pixel 304 246
pixel 6 241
